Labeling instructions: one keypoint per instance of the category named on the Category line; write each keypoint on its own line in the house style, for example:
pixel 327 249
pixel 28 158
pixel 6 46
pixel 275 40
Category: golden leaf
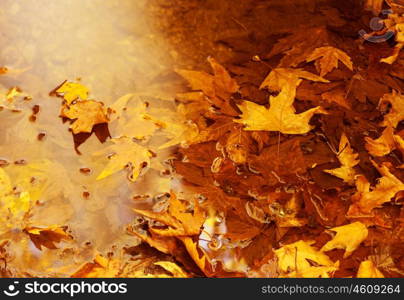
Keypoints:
pixel 124 152
pixel 366 199
pixel 173 268
pixel 293 260
pixel 280 116
pixel 85 114
pixel 382 145
pixel 348 160
pixel 180 222
pixel 347 237
pixel 72 91
pixel 396 113
pixel 327 59
pixel 280 77
pixel 367 269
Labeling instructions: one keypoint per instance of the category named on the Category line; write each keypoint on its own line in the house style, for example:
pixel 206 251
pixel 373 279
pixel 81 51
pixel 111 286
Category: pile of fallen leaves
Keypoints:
pixel 285 165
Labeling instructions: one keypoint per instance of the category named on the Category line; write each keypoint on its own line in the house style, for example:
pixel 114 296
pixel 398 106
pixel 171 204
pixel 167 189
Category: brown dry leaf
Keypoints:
pixel 47 236
pixel 348 160
pixel 281 115
pixel 347 237
pixel 279 77
pixel 129 118
pixel 382 145
pixel 337 96
pixel 327 59
pixel 218 87
pixel 300 44
pixel 367 269
pixel 293 260
pixel 85 114
pixel 237 145
pixel 374 5
pixel 366 199
pixel 396 113
pixel 179 220
pixel 71 91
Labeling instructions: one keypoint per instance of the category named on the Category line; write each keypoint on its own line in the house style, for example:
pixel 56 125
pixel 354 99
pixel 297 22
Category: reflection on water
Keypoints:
pixel 107 43
pixel 111 47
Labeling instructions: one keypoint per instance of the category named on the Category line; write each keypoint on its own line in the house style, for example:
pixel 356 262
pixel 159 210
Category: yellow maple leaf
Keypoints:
pixel 124 152
pixel 72 91
pixel 173 268
pixel 192 248
pixel 280 116
pixel 180 222
pixel 294 260
pixel 327 59
pixel 85 114
pixel 382 145
pixel 367 269
pixel 348 160
pixel 396 113
pixel 279 77
pixel 47 236
pixel 347 237
pixel 366 199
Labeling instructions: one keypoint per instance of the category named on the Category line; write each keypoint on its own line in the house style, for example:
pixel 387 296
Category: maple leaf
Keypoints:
pixel 180 222
pixel 300 44
pixel 124 152
pixel 367 269
pixel 382 145
pixel 396 113
pixel 192 248
pixel 327 59
pixel 47 236
pixel 294 259
pixel 85 114
pixel 218 87
pixel 347 237
pixel 237 146
pixel 348 160
pixel 366 199
pixel 173 268
pixel 337 96
pixel 71 91
pixel 280 116
pixel 279 77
